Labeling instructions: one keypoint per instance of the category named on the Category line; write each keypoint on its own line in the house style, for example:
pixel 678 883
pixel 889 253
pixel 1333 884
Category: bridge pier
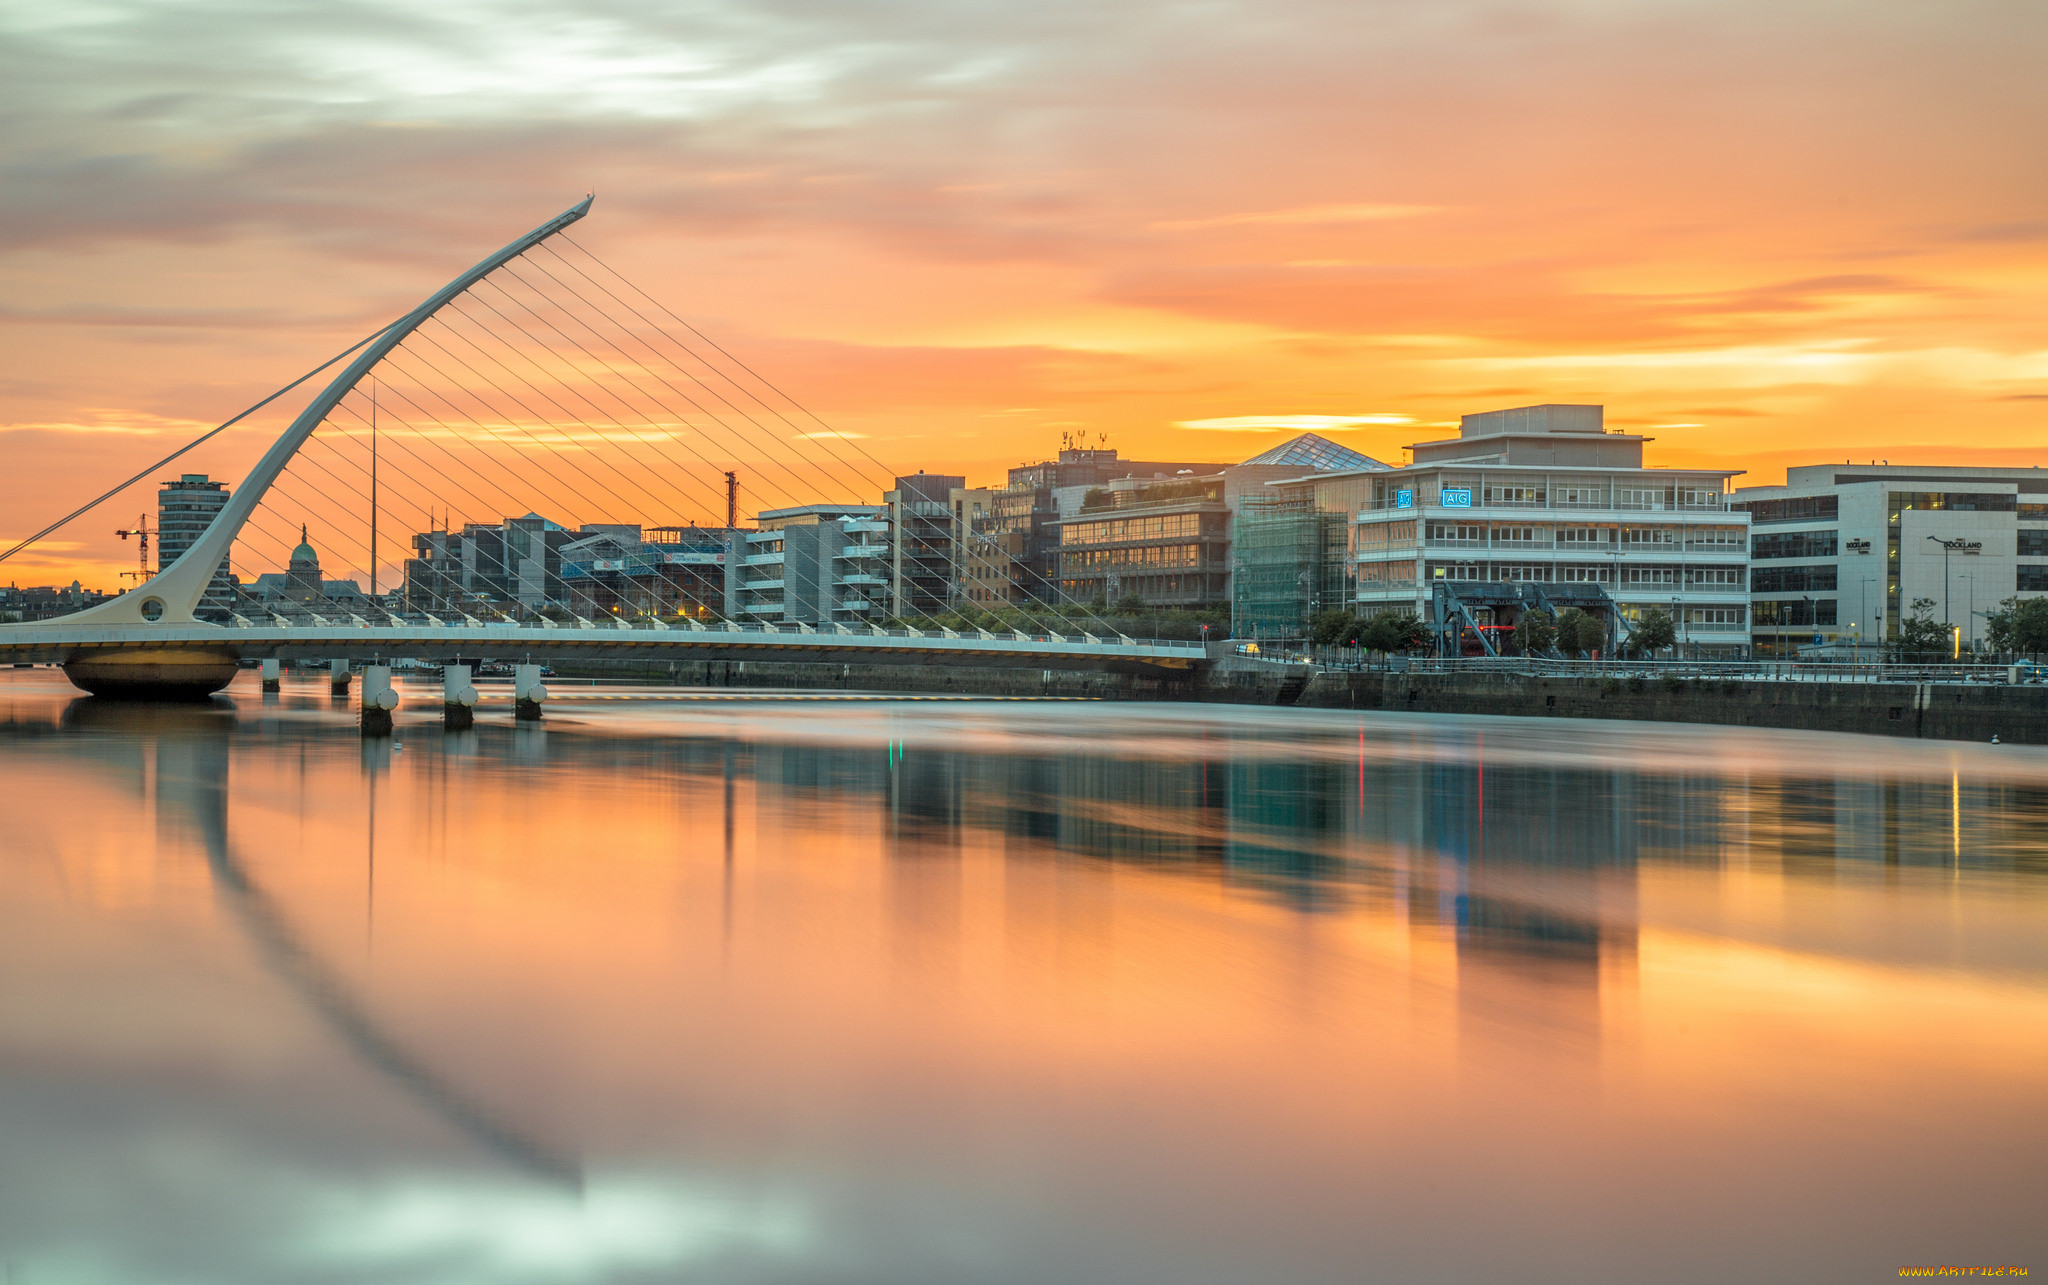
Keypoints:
pixel 273 675
pixel 458 698
pixel 527 693
pixel 152 673
pixel 379 699
pixel 337 678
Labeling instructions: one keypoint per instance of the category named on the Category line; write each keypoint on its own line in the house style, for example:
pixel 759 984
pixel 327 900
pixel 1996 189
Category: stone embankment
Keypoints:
pixel 1935 711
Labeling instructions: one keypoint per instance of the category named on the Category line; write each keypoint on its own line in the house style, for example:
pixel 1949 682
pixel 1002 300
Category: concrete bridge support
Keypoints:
pixel 379 699
pixel 527 693
pixel 273 675
pixel 458 698
pixel 337 677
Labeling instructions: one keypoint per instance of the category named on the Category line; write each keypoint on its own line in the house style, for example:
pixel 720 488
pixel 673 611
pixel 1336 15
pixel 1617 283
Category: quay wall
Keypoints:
pixel 1934 711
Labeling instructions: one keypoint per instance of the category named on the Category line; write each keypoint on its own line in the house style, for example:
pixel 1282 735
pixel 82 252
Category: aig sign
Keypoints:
pixel 1457 497
pixel 1404 498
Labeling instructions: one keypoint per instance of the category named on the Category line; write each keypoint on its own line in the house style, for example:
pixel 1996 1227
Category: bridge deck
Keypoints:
pixel 51 642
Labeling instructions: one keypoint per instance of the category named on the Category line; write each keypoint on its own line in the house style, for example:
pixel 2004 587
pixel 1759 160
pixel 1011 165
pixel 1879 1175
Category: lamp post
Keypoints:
pixel 1971 579
pixel 1946 548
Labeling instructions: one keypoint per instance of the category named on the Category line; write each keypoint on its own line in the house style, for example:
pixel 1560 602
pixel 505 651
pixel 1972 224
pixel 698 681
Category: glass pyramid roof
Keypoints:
pixel 1310 451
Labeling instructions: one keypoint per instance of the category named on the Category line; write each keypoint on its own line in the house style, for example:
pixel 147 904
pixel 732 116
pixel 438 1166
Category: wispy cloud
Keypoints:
pixel 826 434
pixel 1301 215
pixel 1293 423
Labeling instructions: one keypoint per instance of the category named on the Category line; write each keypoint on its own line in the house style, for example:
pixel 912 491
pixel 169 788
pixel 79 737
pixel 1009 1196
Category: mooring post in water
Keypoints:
pixel 379 699
pixel 458 698
pixel 273 671
pixel 527 692
pixel 337 677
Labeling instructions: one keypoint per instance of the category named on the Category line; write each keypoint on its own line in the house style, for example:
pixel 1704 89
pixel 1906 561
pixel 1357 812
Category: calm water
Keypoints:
pixel 772 990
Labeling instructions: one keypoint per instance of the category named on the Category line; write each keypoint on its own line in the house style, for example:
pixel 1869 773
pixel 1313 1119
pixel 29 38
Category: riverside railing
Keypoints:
pixel 1347 659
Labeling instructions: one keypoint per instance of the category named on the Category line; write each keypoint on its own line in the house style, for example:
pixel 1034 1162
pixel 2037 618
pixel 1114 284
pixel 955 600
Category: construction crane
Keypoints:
pixel 142 530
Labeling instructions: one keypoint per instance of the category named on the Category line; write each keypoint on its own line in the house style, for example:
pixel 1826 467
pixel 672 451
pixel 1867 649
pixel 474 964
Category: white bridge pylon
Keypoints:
pixel 172 595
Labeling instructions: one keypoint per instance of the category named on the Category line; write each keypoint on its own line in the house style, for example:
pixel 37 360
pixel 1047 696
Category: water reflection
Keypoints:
pixel 889 991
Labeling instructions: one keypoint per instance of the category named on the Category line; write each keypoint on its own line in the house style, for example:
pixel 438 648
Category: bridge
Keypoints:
pixel 568 399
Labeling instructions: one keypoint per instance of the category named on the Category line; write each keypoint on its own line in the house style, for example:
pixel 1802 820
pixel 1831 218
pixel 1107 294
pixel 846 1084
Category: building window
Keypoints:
pixel 1649 575
pixel 1715 538
pixel 2032 579
pixel 1586 574
pixel 1641 536
pixel 1579 497
pixel 1791 579
pixel 2034 544
pixel 1530 495
pixel 1804 611
pixel 1584 535
pixel 1698 497
pixel 1728 576
pixel 1712 618
pixel 1457 533
pixel 1642 497
pixel 1794 544
pixel 1516 535
pixel 1797 508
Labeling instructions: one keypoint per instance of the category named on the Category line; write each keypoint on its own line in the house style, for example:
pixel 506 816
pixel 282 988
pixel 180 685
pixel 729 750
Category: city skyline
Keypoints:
pixel 1763 237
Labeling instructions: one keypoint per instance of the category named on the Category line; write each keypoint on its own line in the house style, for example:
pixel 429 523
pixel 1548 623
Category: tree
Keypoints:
pixel 1391 631
pixel 1535 631
pixel 2019 625
pixel 1332 627
pixel 1578 632
pixel 1130 604
pixel 1653 631
pixel 1921 636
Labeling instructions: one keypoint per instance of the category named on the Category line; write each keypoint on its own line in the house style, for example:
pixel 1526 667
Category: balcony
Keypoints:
pixel 864 551
pixel 763 559
pixel 763 586
pixel 862 578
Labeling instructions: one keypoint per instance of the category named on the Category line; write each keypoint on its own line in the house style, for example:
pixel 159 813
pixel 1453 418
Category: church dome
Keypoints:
pixel 304 553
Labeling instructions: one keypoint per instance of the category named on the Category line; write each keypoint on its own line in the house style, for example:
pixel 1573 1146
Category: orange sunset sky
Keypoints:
pixel 1764 233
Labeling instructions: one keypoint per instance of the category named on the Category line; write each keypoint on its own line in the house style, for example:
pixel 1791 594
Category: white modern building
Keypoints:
pixel 1546 495
pixel 1842 551
pixel 817 564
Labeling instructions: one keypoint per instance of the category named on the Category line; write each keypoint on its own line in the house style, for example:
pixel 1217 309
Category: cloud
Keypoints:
pixel 1303 214
pixel 1296 423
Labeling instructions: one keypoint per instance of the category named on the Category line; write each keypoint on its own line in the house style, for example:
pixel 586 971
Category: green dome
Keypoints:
pixel 304 553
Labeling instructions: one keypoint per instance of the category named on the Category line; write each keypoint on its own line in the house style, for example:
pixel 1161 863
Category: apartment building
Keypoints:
pixel 817 564
pixel 1840 553
pixel 1546 495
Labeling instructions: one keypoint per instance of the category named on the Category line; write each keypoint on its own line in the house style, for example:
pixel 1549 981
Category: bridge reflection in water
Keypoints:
pixel 1218 992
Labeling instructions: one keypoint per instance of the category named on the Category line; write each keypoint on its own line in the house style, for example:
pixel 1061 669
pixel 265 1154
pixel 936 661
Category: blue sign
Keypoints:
pixel 1457 497
pixel 1404 498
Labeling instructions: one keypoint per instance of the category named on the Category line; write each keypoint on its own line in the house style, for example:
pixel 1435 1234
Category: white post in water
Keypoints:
pixel 379 699
pixel 527 692
pixel 458 698
pixel 273 674
pixel 337 677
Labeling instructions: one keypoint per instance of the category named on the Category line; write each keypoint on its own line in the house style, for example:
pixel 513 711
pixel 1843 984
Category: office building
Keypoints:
pixel 1028 509
pixel 659 571
pixel 1841 552
pixel 1167 540
pixel 184 509
pixel 1545 495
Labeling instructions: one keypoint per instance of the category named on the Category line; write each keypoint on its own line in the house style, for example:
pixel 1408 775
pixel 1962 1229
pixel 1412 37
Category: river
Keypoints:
pixel 692 986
